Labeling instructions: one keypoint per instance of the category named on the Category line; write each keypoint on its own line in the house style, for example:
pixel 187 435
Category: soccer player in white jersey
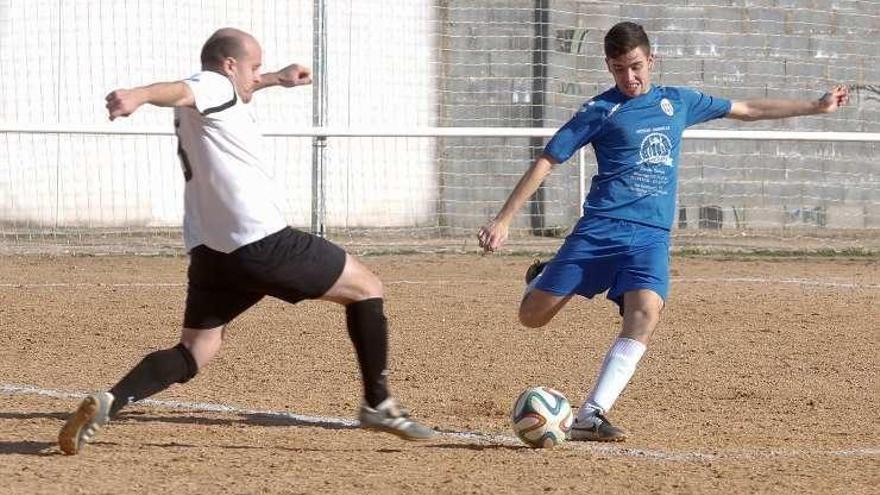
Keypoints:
pixel 621 244
pixel 240 247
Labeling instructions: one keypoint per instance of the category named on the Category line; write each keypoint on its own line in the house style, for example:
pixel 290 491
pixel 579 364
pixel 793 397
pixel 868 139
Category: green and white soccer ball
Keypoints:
pixel 541 417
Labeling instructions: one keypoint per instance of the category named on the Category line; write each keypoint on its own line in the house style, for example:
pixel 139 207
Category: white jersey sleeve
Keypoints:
pixel 212 91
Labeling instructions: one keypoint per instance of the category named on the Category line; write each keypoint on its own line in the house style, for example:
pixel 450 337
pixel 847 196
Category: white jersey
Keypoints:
pixel 229 201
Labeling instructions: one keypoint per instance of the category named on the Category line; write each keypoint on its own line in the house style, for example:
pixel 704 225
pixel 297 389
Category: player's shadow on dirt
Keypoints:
pixel 35 415
pixel 185 417
pixel 277 420
pixel 28 447
pixel 256 419
pixel 263 448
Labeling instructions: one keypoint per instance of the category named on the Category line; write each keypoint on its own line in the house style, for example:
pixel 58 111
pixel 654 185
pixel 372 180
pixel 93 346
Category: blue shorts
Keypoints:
pixel 609 254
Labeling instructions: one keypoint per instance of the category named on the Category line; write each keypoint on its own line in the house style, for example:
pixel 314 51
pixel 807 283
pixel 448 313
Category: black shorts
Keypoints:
pixel 290 264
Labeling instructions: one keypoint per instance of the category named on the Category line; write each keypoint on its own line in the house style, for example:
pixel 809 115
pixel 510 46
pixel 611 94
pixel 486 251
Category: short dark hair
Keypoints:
pixel 218 47
pixel 624 37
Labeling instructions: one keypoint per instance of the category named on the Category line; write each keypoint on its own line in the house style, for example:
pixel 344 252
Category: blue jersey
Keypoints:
pixel 638 144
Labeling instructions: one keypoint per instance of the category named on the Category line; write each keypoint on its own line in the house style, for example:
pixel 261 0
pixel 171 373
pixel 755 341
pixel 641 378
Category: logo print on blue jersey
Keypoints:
pixel 666 106
pixel 656 149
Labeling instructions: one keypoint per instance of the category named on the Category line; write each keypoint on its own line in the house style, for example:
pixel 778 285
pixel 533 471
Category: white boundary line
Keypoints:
pixel 484 438
pixel 733 280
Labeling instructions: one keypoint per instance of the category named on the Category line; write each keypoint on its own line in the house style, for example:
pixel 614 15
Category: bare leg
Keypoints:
pixel 641 315
pixel 356 283
pixel 203 344
pixel 539 307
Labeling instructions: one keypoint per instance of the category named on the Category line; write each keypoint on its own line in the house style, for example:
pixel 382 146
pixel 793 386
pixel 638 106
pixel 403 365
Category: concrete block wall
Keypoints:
pixel 737 49
pixel 486 80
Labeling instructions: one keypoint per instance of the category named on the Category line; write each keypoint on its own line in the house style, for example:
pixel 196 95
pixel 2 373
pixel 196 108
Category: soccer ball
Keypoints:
pixel 541 417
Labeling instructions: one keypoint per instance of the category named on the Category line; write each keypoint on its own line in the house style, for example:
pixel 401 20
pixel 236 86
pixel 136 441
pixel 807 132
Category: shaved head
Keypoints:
pixel 225 42
pixel 238 56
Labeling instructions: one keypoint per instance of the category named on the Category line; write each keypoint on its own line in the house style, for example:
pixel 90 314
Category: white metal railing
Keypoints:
pixel 278 131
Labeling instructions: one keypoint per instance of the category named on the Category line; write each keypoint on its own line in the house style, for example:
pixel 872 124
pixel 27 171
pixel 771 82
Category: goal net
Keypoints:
pixel 430 111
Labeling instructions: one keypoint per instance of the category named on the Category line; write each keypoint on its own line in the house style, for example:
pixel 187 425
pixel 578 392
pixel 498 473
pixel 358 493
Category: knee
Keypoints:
pixel 639 322
pixel 531 319
pixel 536 310
pixel 644 315
pixel 370 287
pixel 363 283
pixel 202 345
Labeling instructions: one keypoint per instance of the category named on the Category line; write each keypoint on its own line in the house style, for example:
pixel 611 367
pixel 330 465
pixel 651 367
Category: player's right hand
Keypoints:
pixel 121 103
pixel 492 235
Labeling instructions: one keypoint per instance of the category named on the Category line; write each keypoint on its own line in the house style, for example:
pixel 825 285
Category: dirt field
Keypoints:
pixel 763 377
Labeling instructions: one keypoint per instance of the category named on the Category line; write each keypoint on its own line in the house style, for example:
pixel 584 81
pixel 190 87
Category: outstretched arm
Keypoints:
pixel 779 109
pixel 493 234
pixel 288 77
pixel 123 102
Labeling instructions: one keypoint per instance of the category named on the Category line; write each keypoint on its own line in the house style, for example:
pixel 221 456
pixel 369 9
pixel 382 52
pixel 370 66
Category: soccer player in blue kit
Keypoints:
pixel 621 244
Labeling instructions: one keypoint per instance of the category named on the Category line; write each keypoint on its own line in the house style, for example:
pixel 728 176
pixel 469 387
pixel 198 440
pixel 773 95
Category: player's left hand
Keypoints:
pixel 294 75
pixel 834 99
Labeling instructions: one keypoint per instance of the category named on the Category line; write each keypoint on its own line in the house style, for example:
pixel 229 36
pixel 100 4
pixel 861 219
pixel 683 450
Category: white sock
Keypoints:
pixel 617 369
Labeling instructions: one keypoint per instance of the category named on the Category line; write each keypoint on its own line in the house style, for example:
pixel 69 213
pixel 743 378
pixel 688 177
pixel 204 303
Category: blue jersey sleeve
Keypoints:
pixel 702 107
pixel 576 133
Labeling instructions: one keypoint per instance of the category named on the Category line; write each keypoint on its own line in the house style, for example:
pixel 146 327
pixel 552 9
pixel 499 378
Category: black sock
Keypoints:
pixel 156 372
pixel 368 330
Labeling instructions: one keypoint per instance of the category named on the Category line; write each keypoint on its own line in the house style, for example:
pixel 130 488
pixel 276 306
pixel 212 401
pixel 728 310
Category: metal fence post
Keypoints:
pixel 319 118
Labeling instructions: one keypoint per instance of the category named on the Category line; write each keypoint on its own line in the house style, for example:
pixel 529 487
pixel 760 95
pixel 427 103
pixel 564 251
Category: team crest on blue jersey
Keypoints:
pixel 666 106
pixel 656 149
